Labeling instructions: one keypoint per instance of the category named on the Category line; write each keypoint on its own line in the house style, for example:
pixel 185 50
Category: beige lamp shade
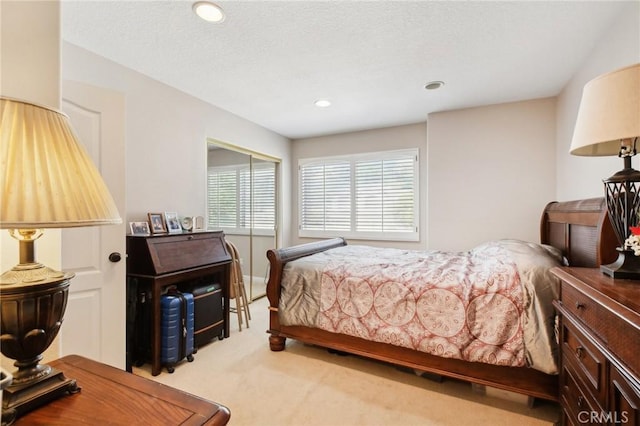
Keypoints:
pixel 609 112
pixel 47 179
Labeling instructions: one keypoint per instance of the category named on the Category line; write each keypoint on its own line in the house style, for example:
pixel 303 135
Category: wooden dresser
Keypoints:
pixel 109 396
pixel 156 262
pixel 599 347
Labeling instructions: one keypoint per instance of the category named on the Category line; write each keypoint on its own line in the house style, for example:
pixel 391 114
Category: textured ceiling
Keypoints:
pixel 270 60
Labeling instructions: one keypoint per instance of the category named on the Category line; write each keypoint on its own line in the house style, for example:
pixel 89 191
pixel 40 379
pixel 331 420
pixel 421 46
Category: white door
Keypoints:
pixel 95 320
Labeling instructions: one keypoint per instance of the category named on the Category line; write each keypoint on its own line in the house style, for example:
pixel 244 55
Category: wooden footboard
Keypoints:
pixel 277 259
pixel 579 228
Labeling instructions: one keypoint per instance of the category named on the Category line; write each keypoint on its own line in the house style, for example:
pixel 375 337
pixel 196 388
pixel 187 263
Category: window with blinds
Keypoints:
pixel 231 203
pixel 365 196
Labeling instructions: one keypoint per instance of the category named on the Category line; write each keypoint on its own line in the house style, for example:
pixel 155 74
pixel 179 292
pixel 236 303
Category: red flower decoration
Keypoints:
pixel 635 230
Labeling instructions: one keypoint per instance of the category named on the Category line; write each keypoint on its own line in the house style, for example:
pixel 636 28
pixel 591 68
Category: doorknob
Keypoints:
pixel 115 257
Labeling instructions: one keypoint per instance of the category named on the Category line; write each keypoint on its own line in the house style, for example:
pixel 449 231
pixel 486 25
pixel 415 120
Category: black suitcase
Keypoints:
pixel 140 342
pixel 132 309
pixel 177 325
pixel 209 317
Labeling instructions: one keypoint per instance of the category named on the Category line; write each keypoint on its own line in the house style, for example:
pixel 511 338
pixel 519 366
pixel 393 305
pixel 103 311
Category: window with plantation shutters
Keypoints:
pixel 222 198
pixel 326 196
pixel 231 204
pixel 366 196
pixel 264 200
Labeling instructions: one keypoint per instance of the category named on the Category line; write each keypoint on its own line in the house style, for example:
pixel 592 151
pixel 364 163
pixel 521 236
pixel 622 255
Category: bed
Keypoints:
pixel 499 334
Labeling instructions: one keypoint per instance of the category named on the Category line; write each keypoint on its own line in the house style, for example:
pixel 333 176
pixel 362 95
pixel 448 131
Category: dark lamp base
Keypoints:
pixel 627 266
pixel 21 399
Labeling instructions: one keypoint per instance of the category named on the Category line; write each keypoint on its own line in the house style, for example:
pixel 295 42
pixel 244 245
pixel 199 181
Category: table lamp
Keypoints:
pixel 47 180
pixel 608 123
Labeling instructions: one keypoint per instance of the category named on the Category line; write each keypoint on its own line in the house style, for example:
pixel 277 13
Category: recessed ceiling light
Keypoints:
pixel 208 11
pixel 322 103
pixel 433 85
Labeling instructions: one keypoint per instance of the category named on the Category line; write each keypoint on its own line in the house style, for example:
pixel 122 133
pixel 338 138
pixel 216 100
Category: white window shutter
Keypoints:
pixel 369 196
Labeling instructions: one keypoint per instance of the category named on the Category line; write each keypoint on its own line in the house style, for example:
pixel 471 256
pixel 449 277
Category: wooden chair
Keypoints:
pixel 236 289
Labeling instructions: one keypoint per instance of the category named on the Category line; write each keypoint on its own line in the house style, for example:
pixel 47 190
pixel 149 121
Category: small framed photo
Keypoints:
pixel 173 224
pixel 158 225
pixel 198 223
pixel 139 228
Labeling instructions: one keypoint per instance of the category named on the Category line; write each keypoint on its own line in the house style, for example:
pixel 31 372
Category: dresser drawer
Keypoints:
pixel 583 307
pixel 624 398
pixel 575 401
pixel 617 335
pixel 579 351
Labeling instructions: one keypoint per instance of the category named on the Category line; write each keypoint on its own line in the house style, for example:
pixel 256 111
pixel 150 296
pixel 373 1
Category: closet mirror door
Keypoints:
pixel 241 201
pixel 263 220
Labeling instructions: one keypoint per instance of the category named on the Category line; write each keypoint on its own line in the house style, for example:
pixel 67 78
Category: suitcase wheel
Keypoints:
pixel 190 358
pixel 221 336
pixel 195 350
pixel 170 370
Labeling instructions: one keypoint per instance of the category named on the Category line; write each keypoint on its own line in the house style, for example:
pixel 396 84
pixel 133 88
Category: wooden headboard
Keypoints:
pixel 582 230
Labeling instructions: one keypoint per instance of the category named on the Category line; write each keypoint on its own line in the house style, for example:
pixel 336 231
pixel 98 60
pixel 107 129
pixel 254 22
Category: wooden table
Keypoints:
pixel 110 396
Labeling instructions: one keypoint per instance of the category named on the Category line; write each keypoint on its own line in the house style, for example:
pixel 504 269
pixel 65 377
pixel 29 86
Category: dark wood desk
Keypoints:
pixel 110 396
pixel 158 261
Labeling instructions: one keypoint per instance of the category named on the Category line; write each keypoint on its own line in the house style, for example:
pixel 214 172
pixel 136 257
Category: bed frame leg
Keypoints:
pixel 277 343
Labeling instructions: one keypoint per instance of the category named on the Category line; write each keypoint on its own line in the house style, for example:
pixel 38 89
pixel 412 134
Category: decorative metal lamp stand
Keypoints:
pixel 622 192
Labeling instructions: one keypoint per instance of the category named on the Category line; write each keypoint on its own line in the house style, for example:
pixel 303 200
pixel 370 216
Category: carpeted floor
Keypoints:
pixel 306 385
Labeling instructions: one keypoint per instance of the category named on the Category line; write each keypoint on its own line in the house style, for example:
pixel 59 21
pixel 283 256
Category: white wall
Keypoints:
pixel 386 139
pixel 166 138
pixel 581 177
pixel 491 173
pixel 30 70
pixel 486 173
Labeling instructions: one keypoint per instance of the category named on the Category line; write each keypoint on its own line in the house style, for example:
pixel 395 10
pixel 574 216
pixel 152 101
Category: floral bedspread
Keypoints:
pixel 479 306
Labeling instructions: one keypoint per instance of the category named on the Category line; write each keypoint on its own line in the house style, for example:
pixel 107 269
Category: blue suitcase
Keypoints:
pixel 177 327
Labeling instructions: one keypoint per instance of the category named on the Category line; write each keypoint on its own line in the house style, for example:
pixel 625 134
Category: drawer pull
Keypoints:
pixel 579 352
pixel 579 305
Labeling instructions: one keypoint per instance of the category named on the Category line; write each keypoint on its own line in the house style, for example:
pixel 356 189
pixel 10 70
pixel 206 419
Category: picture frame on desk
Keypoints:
pixel 158 225
pixel 139 228
pixel 172 222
